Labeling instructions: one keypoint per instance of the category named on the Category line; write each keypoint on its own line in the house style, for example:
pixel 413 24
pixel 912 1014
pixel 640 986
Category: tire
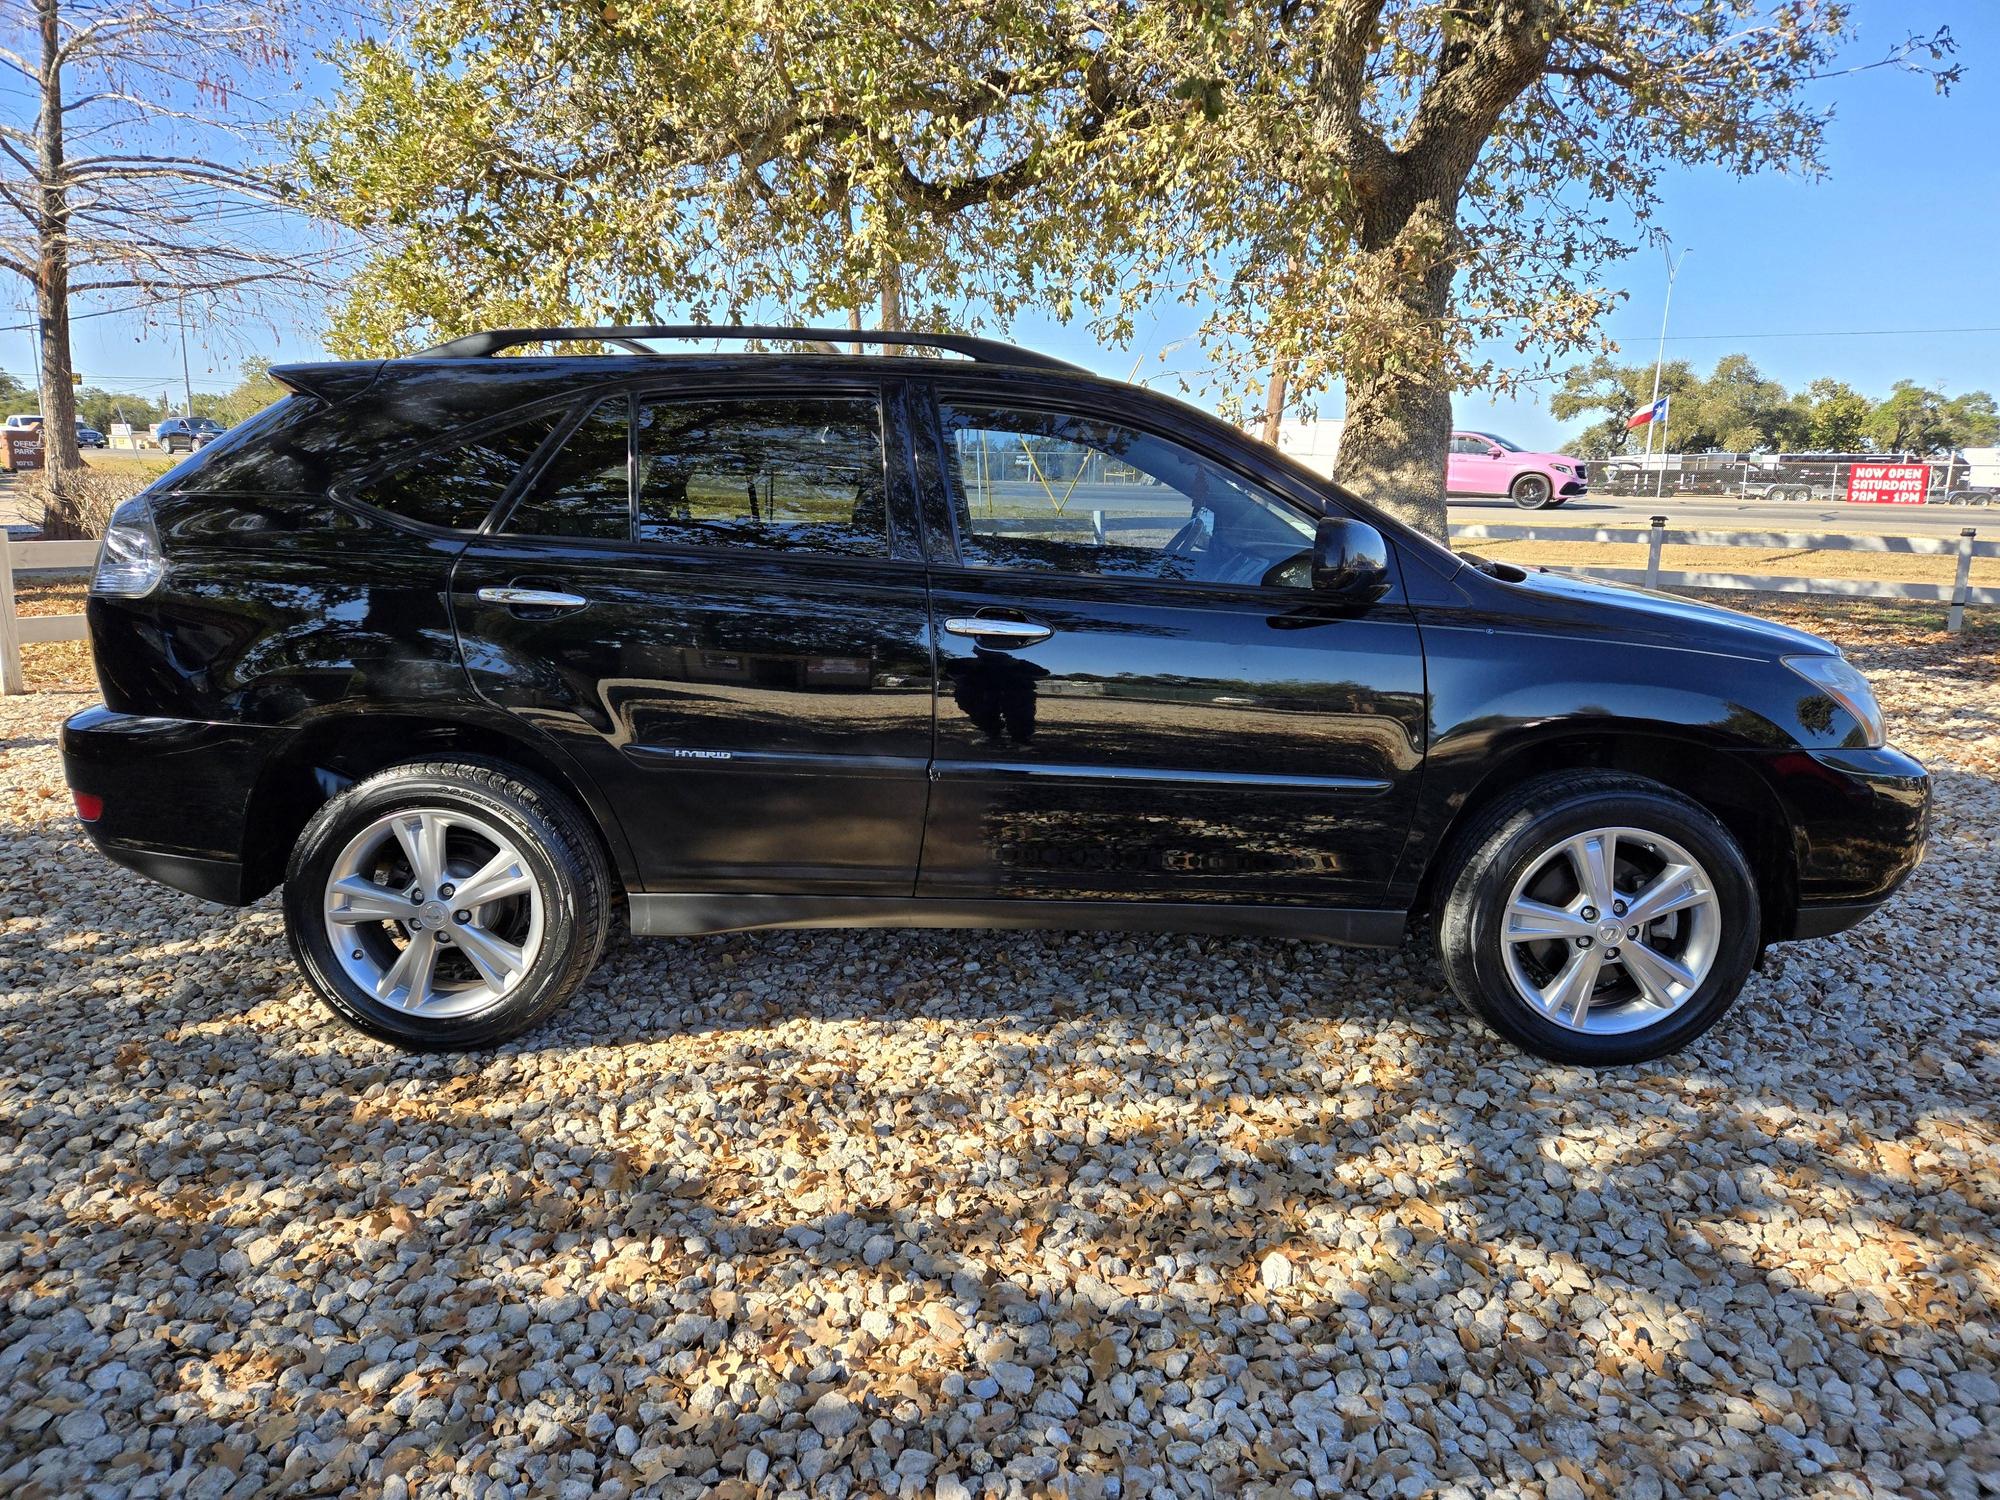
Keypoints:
pixel 1522 843
pixel 457 976
pixel 1532 491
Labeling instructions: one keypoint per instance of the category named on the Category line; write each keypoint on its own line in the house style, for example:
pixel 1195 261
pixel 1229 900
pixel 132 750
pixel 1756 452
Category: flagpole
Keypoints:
pixel 1659 362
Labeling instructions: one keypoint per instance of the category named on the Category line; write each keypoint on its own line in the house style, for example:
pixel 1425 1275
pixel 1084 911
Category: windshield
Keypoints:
pixel 1500 442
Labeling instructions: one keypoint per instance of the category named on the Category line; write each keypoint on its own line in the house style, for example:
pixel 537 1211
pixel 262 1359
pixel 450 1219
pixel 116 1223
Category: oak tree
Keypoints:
pixel 536 163
pixel 1363 192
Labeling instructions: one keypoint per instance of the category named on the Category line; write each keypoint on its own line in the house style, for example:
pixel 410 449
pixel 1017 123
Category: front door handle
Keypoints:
pixel 1013 632
pixel 533 599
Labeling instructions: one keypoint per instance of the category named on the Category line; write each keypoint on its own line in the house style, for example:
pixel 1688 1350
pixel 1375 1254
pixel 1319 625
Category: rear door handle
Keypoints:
pixel 533 599
pixel 1014 632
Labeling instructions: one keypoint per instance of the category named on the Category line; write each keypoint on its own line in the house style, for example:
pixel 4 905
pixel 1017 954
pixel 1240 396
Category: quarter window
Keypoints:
pixel 585 489
pixel 778 475
pixel 1061 492
pixel 457 485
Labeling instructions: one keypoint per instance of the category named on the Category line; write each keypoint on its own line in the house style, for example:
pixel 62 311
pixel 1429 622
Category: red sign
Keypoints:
pixel 1888 484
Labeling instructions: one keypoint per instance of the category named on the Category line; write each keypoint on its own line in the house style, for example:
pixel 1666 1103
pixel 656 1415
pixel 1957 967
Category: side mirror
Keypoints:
pixel 1350 561
pixel 1495 451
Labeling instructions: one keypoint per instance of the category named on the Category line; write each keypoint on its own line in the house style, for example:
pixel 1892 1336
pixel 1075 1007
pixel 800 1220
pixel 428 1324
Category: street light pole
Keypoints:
pixel 1660 359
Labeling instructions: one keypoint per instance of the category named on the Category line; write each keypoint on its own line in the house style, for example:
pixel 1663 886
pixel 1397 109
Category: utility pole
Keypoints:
pixel 1660 360
pixel 187 384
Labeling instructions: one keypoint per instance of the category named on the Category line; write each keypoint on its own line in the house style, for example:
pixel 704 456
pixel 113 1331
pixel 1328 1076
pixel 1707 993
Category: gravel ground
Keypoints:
pixel 888 1213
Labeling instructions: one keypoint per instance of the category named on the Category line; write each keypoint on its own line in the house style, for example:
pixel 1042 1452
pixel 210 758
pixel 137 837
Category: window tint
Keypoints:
pixel 585 488
pixel 1073 494
pixel 776 474
pixel 1464 444
pixel 458 484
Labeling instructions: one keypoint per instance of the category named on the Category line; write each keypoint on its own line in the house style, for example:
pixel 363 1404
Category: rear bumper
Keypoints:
pixel 177 795
pixel 1858 821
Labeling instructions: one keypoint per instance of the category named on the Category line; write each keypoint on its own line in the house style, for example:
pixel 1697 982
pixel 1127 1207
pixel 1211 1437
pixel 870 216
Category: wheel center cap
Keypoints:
pixel 434 913
pixel 1607 932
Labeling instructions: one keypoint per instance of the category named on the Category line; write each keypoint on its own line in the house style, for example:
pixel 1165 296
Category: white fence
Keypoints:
pixel 1965 546
pixel 34 557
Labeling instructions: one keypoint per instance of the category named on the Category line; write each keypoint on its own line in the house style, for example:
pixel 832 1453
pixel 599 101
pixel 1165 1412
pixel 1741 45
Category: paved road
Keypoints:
pixel 1733 515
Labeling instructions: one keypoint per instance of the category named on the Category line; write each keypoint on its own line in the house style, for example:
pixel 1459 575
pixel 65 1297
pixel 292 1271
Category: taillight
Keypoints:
pixel 129 561
pixel 89 806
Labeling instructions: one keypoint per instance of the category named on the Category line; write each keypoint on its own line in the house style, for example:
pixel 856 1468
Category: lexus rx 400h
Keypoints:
pixel 472 651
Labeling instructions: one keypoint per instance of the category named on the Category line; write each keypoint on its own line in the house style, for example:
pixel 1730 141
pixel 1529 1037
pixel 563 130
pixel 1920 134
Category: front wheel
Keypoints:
pixel 446 905
pixel 1599 919
pixel 1532 491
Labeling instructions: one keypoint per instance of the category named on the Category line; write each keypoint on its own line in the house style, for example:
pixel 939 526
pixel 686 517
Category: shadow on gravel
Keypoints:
pixel 1083 1188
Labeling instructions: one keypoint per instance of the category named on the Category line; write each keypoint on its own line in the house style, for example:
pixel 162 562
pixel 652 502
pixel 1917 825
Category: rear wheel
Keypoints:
pixel 1599 919
pixel 1532 491
pixel 446 905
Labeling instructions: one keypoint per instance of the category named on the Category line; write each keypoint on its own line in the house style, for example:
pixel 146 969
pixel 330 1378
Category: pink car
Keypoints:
pixel 1482 464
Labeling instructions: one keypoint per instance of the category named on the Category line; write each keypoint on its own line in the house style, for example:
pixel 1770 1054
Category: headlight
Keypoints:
pixel 1562 468
pixel 129 562
pixel 1835 676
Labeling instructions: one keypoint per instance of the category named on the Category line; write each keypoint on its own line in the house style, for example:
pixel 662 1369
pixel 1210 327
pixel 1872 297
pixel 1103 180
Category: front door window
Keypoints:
pixel 1060 492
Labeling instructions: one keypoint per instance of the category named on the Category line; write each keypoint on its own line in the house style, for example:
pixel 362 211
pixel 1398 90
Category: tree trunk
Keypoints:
pixel 59 447
pixel 892 303
pixel 1398 426
pixel 1274 400
pixel 854 325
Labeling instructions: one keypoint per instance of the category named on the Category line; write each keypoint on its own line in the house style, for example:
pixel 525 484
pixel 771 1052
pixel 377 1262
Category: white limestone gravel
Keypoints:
pixel 995 1214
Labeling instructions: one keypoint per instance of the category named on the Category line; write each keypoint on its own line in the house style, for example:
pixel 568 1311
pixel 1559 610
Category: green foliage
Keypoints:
pixel 1735 409
pixel 1352 190
pixel 17 395
pixel 1836 416
pixel 580 163
pixel 1918 419
pixel 100 408
pixel 251 394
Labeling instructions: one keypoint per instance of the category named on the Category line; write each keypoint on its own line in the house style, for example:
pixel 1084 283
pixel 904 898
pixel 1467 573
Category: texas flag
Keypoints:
pixel 1657 412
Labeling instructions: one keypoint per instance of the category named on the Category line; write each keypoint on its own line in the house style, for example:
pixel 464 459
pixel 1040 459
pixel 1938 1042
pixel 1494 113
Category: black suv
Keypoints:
pixel 471 651
pixel 186 434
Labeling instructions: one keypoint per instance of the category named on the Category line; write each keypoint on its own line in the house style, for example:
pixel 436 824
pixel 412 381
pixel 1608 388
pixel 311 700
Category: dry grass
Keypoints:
pixel 149 466
pixel 54 666
pixel 37 596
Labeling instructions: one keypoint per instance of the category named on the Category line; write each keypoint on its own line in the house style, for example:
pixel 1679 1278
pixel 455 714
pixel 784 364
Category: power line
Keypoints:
pixel 1831 333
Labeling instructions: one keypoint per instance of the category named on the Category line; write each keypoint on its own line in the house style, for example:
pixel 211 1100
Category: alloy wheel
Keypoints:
pixel 1610 931
pixel 434 911
pixel 1532 492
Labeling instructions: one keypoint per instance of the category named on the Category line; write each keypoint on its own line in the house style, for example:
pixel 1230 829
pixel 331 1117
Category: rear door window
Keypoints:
pixel 778 474
pixel 584 489
pixel 457 484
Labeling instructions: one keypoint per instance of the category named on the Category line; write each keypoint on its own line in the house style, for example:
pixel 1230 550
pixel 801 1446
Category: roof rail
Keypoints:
pixel 985 351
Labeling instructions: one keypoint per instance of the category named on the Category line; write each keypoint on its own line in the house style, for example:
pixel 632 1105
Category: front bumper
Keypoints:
pixel 177 795
pixel 1573 488
pixel 1858 821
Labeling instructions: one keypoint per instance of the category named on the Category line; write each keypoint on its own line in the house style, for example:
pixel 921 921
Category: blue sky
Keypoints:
pixel 1903 233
